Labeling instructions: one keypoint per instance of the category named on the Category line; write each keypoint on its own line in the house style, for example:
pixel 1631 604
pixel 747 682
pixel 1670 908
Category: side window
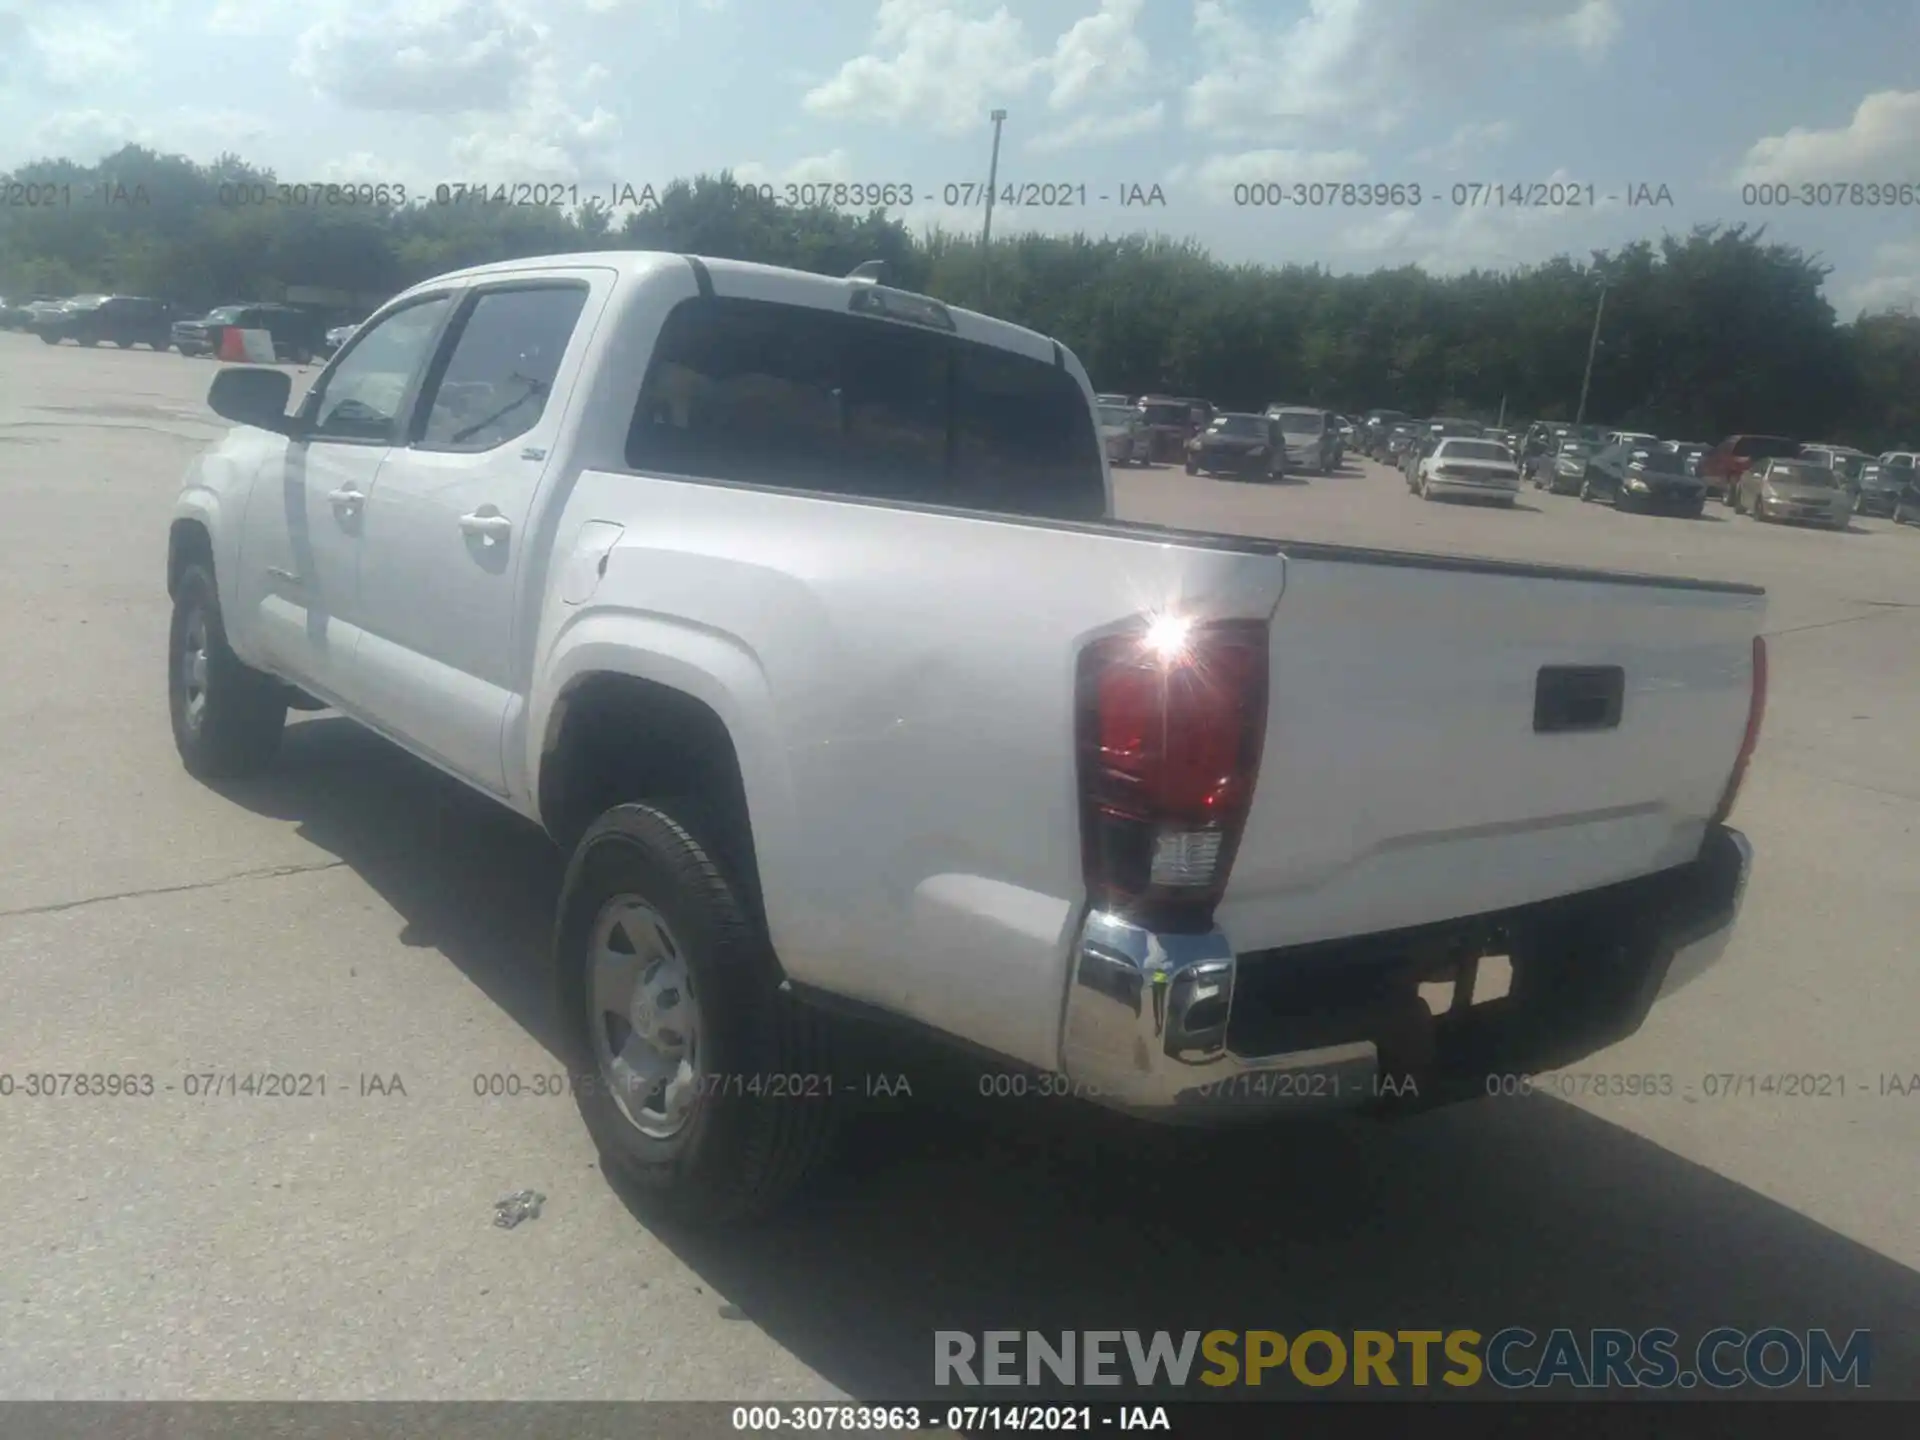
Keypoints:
pixel 1024 440
pixel 742 391
pixel 796 397
pixel 506 356
pixel 360 398
pixel 810 399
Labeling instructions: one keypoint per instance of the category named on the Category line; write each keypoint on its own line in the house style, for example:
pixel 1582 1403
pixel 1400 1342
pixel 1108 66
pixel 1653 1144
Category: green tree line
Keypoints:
pixel 1707 333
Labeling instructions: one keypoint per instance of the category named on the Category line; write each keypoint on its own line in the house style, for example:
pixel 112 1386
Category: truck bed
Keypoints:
pixel 899 681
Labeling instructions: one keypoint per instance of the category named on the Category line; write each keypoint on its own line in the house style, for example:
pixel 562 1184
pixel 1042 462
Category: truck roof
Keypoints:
pixel 752 280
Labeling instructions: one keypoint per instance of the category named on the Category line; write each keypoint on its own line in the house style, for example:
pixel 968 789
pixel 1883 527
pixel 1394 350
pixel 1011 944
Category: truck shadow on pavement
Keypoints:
pixel 954 1211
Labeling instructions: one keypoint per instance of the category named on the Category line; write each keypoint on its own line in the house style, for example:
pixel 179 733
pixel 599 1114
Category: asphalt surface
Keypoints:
pixel 355 915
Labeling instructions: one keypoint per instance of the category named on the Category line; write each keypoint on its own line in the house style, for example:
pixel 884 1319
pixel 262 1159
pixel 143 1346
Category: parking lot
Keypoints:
pixel 356 915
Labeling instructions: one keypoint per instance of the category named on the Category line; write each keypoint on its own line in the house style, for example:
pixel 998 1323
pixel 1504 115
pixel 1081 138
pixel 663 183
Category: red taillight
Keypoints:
pixel 1756 712
pixel 1170 734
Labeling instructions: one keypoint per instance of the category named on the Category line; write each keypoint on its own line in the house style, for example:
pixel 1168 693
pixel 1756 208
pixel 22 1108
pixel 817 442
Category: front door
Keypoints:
pixel 447 528
pixel 300 544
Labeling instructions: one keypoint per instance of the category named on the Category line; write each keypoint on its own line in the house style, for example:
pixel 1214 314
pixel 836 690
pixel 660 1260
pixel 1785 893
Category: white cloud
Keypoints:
pixel 934 64
pixel 83 53
pixel 421 57
pixel 834 166
pixel 1100 129
pixel 1877 144
pixel 1892 282
pixel 239 18
pixel 542 137
pixel 946 65
pixel 1366 62
pixel 1216 176
pixel 1592 28
pixel 86 135
pixel 1465 145
pixel 1099 56
pixel 1474 237
pixel 488 66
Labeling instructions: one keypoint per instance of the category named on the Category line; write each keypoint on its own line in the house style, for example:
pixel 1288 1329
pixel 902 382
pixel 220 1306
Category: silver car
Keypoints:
pixel 1123 435
pixel 1469 468
pixel 1802 490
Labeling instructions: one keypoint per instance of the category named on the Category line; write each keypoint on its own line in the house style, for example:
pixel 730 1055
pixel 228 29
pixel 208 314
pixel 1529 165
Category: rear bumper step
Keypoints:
pixel 1180 1028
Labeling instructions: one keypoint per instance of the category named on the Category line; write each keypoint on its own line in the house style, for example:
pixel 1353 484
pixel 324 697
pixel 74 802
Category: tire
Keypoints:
pixel 1586 492
pixel 49 337
pixel 302 355
pixel 730 1157
pixel 121 344
pixel 241 713
pixel 1192 469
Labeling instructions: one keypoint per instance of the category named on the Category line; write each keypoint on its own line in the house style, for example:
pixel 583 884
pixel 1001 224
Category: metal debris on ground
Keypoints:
pixel 511 1211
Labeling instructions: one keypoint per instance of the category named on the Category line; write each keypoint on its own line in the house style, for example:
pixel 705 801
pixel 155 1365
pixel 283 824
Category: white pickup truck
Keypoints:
pixel 795 609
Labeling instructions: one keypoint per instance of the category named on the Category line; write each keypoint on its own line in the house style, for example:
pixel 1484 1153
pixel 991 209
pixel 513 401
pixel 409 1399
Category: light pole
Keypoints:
pixel 1593 344
pixel 999 118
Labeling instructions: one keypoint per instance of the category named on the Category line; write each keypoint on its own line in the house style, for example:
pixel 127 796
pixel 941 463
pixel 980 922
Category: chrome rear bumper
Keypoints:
pixel 1147 1015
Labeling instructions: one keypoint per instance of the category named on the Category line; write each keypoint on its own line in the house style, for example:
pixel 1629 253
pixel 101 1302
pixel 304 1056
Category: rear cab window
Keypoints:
pixel 799 398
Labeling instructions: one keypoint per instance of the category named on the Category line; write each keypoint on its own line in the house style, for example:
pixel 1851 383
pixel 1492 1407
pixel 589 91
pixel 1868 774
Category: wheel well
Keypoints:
pixel 187 542
pixel 618 738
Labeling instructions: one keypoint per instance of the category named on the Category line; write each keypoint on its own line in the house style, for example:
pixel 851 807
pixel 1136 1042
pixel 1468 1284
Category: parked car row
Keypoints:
pixel 1157 429
pixel 299 335
pixel 1770 477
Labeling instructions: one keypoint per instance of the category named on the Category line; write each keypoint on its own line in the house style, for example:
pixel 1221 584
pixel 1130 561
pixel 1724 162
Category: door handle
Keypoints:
pixel 345 499
pixel 489 528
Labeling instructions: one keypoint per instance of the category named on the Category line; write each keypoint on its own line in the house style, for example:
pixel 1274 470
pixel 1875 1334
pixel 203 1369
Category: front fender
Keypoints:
pixel 218 514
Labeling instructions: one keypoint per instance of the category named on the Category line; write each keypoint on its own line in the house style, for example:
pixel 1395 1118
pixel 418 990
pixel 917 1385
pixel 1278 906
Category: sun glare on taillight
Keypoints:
pixel 1756 712
pixel 1171 724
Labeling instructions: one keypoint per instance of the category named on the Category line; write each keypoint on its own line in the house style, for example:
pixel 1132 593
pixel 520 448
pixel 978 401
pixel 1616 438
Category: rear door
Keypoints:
pixel 446 525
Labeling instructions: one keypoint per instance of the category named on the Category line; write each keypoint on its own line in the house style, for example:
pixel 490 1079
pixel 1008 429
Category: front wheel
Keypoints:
pixel 49 338
pixel 227 717
pixel 1192 469
pixel 699 1080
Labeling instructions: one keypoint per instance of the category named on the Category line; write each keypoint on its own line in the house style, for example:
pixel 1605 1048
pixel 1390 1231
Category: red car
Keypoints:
pixel 1723 465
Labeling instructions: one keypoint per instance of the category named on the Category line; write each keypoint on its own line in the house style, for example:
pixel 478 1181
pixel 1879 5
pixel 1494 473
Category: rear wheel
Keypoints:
pixel 668 988
pixel 49 338
pixel 1192 469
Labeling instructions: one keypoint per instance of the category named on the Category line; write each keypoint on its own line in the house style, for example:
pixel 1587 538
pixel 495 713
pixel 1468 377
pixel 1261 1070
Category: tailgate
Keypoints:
pixel 1403 779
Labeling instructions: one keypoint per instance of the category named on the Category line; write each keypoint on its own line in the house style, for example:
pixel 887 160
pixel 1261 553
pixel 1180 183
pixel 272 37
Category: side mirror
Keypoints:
pixel 255 397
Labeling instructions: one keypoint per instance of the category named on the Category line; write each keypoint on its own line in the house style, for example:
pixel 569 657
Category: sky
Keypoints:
pixel 1488 106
